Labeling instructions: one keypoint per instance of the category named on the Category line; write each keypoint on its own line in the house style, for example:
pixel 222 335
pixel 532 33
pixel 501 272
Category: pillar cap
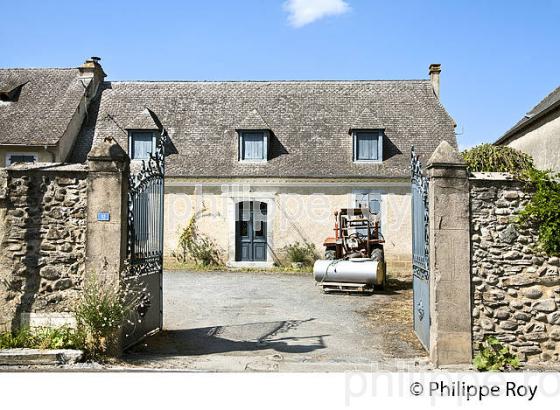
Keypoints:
pixel 446 156
pixel 108 149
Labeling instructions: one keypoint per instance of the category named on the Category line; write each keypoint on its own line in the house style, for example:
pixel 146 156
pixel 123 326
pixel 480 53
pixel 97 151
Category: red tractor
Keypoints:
pixel 356 236
pixel 354 257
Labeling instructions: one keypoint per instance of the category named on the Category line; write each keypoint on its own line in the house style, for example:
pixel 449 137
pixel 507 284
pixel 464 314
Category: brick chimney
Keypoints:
pixel 435 70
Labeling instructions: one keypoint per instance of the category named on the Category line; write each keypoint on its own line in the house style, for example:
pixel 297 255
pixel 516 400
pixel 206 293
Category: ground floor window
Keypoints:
pixel 14 158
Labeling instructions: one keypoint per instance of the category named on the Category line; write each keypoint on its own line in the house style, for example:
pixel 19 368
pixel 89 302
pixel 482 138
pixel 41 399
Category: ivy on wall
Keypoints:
pixel 493 158
pixel 543 208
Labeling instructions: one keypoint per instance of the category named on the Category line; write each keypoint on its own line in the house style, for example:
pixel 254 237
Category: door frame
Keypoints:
pixel 251 240
pixel 232 200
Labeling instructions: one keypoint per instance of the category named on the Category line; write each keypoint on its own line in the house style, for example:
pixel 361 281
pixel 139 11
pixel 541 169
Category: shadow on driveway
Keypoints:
pixel 249 337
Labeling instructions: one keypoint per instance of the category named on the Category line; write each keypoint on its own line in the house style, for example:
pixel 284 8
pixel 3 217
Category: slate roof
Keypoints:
pixel 550 102
pixel 309 120
pixel 45 105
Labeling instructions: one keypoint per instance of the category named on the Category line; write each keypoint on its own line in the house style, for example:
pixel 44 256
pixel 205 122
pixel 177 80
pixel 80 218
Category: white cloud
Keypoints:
pixel 302 12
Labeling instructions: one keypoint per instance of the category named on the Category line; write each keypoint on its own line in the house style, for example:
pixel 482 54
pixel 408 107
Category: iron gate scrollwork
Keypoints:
pixel 145 242
pixel 420 250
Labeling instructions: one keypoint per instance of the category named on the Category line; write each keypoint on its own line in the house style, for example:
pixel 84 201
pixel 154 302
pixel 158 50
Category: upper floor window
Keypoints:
pixel 141 144
pixel 253 146
pixel 14 158
pixel 368 146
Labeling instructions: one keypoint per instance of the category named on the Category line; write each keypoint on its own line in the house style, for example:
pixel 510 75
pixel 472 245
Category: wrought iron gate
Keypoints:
pixel 420 251
pixel 145 243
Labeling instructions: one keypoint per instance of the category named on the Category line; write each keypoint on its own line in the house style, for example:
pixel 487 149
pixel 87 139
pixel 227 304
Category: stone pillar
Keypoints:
pixel 107 213
pixel 6 275
pixel 450 285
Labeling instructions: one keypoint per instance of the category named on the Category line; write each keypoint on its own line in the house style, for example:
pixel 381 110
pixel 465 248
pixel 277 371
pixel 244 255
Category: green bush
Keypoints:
pixel 544 209
pixel 497 158
pixel 304 253
pixel 495 357
pixel 42 338
pixel 101 313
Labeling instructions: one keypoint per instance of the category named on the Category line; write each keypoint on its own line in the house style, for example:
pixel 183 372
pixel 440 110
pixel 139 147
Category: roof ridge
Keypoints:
pixel 261 81
pixel 541 101
pixel 38 68
pixel 534 113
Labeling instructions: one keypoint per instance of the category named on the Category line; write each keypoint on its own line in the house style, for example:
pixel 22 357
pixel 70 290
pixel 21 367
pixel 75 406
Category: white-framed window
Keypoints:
pixel 141 144
pixel 253 145
pixel 368 145
pixel 20 157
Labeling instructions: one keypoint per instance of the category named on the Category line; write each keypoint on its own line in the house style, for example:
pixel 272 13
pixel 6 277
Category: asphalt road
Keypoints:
pixel 225 321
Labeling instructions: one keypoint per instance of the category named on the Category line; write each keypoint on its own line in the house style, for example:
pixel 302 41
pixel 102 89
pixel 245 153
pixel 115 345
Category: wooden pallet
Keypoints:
pixel 345 287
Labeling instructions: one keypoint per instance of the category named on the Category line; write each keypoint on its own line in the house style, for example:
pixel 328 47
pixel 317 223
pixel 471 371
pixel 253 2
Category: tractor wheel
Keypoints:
pixel 381 287
pixel 378 255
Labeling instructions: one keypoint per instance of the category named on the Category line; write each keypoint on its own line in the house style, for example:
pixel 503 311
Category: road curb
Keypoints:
pixel 28 357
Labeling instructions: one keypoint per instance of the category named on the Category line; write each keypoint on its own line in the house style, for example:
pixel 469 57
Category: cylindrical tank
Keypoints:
pixel 358 270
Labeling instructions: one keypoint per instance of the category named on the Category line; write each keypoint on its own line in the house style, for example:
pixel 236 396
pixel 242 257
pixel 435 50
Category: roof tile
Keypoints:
pixel 309 122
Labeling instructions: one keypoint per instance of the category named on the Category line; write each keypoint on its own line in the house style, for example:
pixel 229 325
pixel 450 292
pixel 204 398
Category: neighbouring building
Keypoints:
pixel 538 133
pixel 43 109
pixel 262 164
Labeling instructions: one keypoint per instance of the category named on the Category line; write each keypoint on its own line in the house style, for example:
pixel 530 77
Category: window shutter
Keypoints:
pixel 368 145
pixel 364 147
pixel 361 200
pixel 375 206
pixel 265 143
pixel 254 146
pixel 142 145
pixel 375 203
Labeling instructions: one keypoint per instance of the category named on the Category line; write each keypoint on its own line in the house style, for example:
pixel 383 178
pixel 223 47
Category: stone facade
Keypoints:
pixel 299 211
pixel 43 221
pixel 516 288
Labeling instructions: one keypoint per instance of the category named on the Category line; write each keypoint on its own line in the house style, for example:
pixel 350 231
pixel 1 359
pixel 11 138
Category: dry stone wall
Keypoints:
pixel 43 220
pixel 516 288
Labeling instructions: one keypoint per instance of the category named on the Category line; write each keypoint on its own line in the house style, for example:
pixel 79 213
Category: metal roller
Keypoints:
pixel 357 270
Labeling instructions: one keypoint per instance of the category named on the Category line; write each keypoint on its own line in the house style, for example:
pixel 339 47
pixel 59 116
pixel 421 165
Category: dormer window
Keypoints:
pixel 368 145
pixel 253 146
pixel 141 144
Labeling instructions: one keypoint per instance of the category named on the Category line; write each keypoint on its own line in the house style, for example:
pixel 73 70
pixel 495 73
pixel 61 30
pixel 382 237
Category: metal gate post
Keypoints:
pixel 449 234
pixel 420 252
pixel 146 195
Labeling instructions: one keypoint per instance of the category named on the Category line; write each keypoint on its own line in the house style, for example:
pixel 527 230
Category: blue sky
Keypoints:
pixel 499 58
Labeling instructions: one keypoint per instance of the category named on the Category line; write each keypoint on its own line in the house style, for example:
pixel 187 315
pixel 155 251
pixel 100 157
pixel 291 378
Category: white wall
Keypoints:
pixel 294 214
pixel 543 144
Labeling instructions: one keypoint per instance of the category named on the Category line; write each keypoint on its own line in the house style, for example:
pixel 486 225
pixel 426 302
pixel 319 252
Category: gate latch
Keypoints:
pixel 420 310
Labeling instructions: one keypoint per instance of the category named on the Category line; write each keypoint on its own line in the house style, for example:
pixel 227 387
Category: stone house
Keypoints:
pixel 538 133
pixel 264 164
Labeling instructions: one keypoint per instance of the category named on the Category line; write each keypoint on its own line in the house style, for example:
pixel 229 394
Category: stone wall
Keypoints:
pixel 516 288
pixel 43 222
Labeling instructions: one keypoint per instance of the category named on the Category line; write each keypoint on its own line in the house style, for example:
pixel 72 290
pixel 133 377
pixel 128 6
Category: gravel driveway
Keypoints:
pixel 231 321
